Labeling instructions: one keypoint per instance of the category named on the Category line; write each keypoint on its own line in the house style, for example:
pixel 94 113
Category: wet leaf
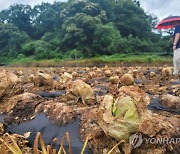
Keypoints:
pixel 27 134
pixel 80 89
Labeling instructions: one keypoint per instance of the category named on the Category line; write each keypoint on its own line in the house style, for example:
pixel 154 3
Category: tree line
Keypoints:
pixel 78 29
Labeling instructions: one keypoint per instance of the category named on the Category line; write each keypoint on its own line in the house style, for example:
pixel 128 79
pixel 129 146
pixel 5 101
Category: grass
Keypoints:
pixel 116 59
pixel 10 142
pixel 142 58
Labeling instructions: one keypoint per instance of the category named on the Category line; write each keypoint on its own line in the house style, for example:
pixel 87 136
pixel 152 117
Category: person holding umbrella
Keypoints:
pixel 173 22
pixel 176 47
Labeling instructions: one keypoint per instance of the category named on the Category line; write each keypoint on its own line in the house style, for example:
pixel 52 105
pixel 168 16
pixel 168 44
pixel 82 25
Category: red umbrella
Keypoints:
pixel 167 23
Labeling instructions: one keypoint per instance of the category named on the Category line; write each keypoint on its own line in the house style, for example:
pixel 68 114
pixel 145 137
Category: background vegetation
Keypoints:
pixel 78 29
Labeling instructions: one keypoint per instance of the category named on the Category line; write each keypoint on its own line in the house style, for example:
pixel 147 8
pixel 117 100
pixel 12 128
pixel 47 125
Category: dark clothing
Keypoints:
pixel 177 30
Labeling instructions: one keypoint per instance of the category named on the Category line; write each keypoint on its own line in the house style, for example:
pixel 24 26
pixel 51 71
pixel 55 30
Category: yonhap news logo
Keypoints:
pixel 136 140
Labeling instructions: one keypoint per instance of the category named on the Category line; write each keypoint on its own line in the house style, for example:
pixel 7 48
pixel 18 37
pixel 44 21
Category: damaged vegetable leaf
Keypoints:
pixel 121 118
pixel 80 89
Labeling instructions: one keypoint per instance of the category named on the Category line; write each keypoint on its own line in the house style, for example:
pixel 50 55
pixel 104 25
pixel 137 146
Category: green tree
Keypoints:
pixel 45 48
pixel 79 30
pixel 18 15
pixel 131 19
pixel 28 48
pixel 11 40
pixel 46 18
pixel 73 7
pixel 107 39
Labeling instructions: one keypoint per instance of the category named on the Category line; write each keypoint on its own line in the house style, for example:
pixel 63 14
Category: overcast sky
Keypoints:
pixel 160 8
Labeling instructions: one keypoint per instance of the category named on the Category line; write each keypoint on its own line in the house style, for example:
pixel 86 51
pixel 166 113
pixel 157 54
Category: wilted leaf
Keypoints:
pixel 120 118
pixel 82 90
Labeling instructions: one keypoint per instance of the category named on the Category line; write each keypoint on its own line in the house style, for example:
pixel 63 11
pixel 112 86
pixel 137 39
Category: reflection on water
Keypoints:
pixel 49 131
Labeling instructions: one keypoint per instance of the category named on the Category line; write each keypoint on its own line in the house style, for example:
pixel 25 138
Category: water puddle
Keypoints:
pixel 177 82
pixel 2 118
pixel 155 106
pixel 103 80
pixel 48 94
pixel 137 81
pixel 56 77
pixel 49 131
pixel 82 72
pixel 149 70
pixel 101 90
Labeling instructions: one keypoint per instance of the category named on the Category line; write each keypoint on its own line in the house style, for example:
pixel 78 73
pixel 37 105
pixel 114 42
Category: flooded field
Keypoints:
pixel 103 107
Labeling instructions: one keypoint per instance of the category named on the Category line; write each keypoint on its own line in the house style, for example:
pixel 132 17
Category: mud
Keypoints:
pixel 64 99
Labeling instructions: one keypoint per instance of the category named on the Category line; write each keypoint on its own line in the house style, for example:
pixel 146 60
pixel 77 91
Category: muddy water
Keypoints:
pixel 177 82
pixel 49 131
pixel 155 105
pixel 48 94
pixel 2 118
pixel 101 90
